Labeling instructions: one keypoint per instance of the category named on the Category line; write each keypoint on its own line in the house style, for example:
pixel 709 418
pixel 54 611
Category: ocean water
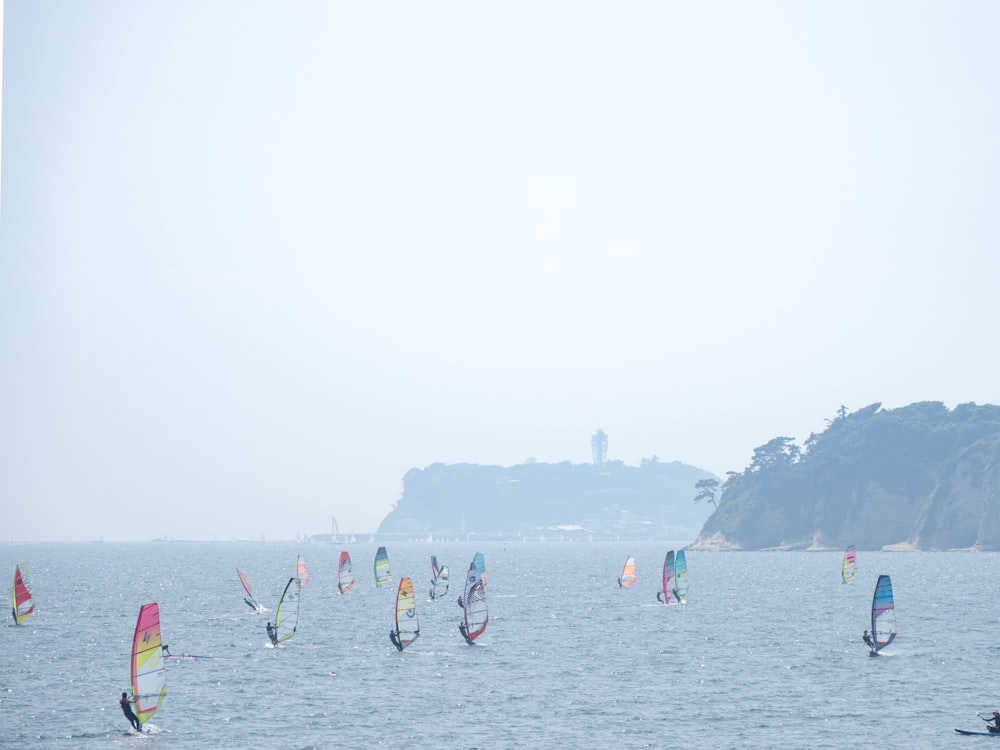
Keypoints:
pixel 766 652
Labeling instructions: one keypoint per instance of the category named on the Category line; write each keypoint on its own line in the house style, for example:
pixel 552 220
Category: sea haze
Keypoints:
pixel 766 652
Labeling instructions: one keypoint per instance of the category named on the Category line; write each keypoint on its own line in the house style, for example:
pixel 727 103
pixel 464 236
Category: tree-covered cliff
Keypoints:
pixel 920 476
pixel 535 499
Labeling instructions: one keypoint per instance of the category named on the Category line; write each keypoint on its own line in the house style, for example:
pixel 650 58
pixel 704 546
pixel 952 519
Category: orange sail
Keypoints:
pixel 301 573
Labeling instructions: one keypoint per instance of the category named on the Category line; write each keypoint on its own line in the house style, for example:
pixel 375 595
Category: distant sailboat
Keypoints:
pixel 849 567
pixel 627 578
pixel 345 575
pixel 286 619
pixel 883 614
pixel 300 571
pixel 149 679
pixel 382 572
pixel 439 579
pixel 407 626
pixel 680 576
pixel 250 599
pixel 476 615
pixel 24 604
pixel 666 592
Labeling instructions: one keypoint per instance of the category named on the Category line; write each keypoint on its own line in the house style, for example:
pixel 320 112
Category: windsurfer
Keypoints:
pixel 461 601
pixel 465 633
pixel 659 597
pixel 867 638
pixel 394 637
pixel 165 650
pixel 272 634
pixel 127 710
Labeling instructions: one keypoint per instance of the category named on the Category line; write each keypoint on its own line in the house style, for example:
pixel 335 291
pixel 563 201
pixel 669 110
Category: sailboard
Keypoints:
pixel 382 572
pixel 286 619
pixel 849 567
pixel 627 578
pixel 345 575
pixel 149 679
pixel 300 571
pixel 24 604
pixel 665 594
pixel 407 625
pixel 680 575
pixel 250 599
pixel 474 606
pixel 977 733
pixel 439 579
pixel 883 614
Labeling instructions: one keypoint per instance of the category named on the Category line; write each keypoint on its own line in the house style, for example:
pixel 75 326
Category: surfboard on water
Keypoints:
pixel 978 733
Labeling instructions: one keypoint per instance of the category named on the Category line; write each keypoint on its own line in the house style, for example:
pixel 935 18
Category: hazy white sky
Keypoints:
pixel 259 259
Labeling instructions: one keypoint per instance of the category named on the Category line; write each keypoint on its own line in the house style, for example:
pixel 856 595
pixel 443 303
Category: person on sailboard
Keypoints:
pixel 867 638
pixel 394 637
pixel 659 597
pixel 465 633
pixel 165 650
pixel 272 634
pixel 127 710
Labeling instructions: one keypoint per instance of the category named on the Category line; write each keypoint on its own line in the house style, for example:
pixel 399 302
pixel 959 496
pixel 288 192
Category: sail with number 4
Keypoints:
pixel 300 571
pixel 474 605
pixel 286 619
pixel 439 579
pixel 668 579
pixel 250 599
pixel 345 575
pixel 627 578
pixel 680 575
pixel 149 679
pixel 849 568
pixel 883 613
pixel 24 604
pixel 382 572
pixel 407 625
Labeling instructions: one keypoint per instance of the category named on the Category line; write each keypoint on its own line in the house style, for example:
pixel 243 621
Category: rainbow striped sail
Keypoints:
pixel 149 679
pixel 849 568
pixel 668 579
pixel 382 572
pixel 407 625
pixel 24 605
pixel 627 578
pixel 883 613
pixel 680 575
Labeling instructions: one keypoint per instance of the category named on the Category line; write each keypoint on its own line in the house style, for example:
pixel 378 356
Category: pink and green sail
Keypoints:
pixel 149 681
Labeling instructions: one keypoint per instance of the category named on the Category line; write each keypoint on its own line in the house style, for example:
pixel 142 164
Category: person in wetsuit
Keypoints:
pixel 394 637
pixel 867 638
pixel 127 710
pixel 995 727
pixel 272 634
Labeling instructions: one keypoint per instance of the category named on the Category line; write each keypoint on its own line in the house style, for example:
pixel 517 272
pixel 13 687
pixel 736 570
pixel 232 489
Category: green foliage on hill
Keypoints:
pixel 453 500
pixel 921 475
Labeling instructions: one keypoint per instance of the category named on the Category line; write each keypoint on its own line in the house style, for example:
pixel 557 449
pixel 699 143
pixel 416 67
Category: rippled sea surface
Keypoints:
pixel 766 652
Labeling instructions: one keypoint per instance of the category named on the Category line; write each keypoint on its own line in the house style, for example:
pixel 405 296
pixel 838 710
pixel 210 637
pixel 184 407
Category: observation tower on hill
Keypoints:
pixel 599 447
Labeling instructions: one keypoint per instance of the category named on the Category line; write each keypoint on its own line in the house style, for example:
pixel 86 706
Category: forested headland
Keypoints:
pixel 917 477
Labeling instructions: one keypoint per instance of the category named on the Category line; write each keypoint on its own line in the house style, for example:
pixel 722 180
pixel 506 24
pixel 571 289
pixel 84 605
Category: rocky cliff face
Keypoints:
pixel 917 477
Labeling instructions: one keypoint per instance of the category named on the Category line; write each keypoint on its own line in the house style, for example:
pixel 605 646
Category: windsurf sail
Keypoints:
pixel 680 575
pixel 250 599
pixel 382 573
pixel 24 605
pixel 286 619
pixel 668 579
pixel 345 575
pixel 479 562
pixel 300 571
pixel 883 613
pixel 439 579
pixel 849 568
pixel 149 679
pixel 407 626
pixel 474 605
pixel 627 578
